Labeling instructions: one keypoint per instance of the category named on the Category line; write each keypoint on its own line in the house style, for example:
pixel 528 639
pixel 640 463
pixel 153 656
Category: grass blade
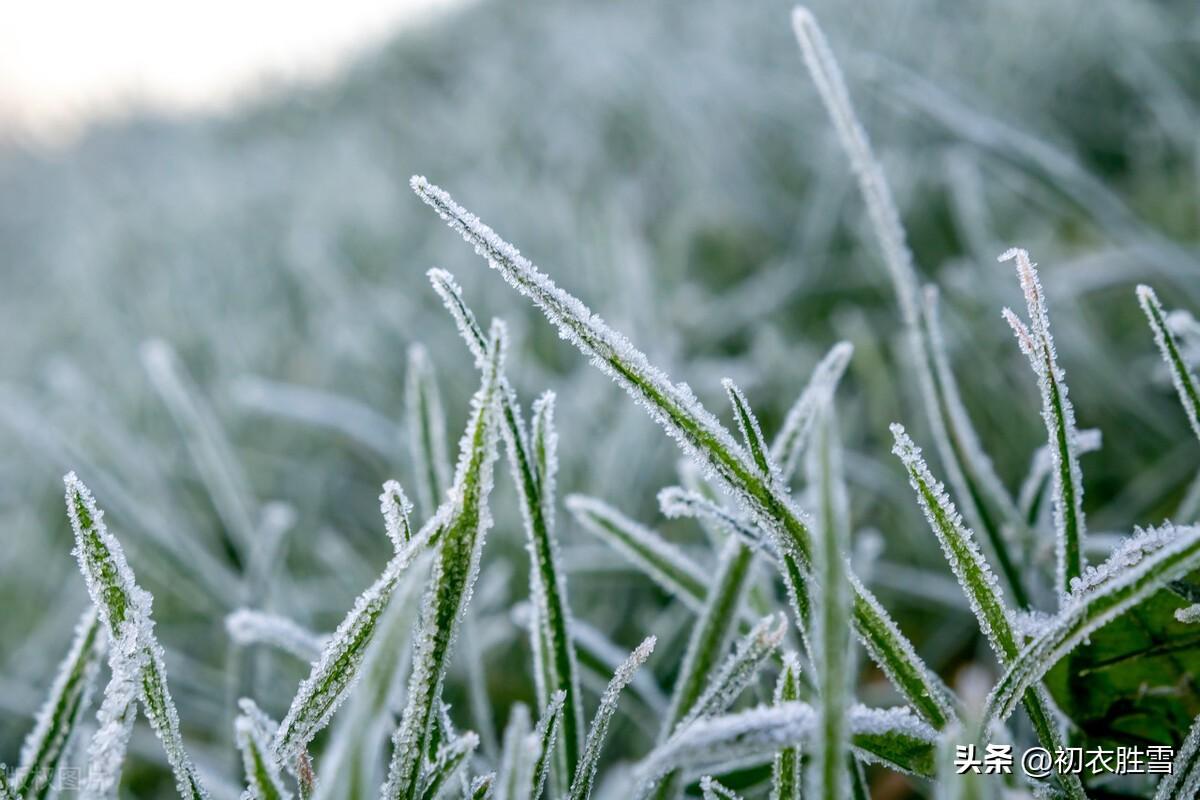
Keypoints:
pixel 739 669
pixel 831 643
pixel 135 656
pixel 450 758
pixel 58 719
pixel 508 773
pixel 246 626
pixel 1184 780
pixel 663 562
pixel 1143 565
pixel 585 776
pixel 533 464
pixel 334 675
pixel 752 435
pixel 1181 373
pixel 1059 416
pixel 980 586
pixel 426 420
pixel 785 771
pixel 396 508
pixel 789 444
pixel 482 786
pixel 546 733
pixel 254 733
pixel 712 789
pixel 6 790
pixel 699 434
pixel 454 571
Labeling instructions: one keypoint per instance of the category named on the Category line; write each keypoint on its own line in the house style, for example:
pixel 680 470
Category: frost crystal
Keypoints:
pixel 1189 615
pixel 395 506
pixel 1181 373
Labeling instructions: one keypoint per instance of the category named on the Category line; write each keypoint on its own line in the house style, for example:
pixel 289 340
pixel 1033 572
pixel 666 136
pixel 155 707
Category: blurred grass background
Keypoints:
pixel 671 164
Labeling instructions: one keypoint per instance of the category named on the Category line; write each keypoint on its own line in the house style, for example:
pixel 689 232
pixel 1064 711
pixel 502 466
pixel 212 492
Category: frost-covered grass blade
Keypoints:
pixel 1184 780
pixel 785 770
pixel 789 444
pixel 1181 373
pixel 445 766
pixel 254 733
pixel 426 420
pixel 713 789
pixel 739 669
pixel 246 626
pixel 698 433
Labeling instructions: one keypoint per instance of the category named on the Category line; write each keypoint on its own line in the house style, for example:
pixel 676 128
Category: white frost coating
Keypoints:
pixel 544 441
pixel 515 732
pixel 978 582
pixel 662 561
pixel 1184 780
pixel 337 670
pixel 1188 615
pixel 675 502
pixel 426 420
pixel 592 641
pixel 253 731
pixel 1032 623
pixel 713 789
pixel 246 626
pixel 396 507
pixel 1181 375
pixel 1038 345
pixel 114 725
pixel 1088 440
pixel 752 435
pixel 585 775
pixel 789 444
pixel 44 735
pixel 739 669
pixel 1129 553
pixel 881 208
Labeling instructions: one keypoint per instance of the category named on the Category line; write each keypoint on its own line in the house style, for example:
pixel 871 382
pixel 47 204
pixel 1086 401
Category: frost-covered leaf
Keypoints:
pixel 698 433
pixel 662 561
pixel 739 669
pixel 713 789
pixel 254 733
pixel 752 435
pixel 585 775
pixel 600 657
pixel 789 444
pixel 449 760
pixel 135 657
pixel 508 775
pixel 1181 373
pixel 980 586
pixel 1059 416
pixel 785 770
pixel 57 721
pixel 482 787
pixel 246 626
pixel 533 462
pixel 337 670
pixel 546 734
pixel 396 508
pixel 1144 565
pixel 676 502
pixel 465 525
pixel 426 420
pixel 1184 780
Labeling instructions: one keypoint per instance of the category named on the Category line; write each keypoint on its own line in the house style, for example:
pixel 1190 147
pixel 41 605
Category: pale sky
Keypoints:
pixel 63 62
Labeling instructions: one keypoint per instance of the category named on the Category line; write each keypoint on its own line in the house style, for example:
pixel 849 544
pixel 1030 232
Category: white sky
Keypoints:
pixel 65 61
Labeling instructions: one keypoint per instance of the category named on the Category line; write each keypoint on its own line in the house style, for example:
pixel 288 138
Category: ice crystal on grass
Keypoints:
pixel 713 789
pixel 739 669
pixel 1188 615
pixel 1184 780
pixel 396 508
pixel 449 760
pixel 675 502
pixel 699 435
pixel 1181 373
pixel 254 732
pixel 247 627
pixel 1059 416
pixel 785 770
pixel 789 444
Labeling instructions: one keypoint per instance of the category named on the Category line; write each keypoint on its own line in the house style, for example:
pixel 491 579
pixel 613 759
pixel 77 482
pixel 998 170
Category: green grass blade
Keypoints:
pixel 790 443
pixel 1140 567
pixel 739 669
pixel 599 658
pixel 1184 780
pixel 546 733
pixel 785 770
pixel 696 431
pixel 661 561
pixel 253 736
pixel 533 464
pixel 450 759
pixel 482 786
pixel 585 775
pixel 426 420
pixel 713 789
pixel 1059 416
pixel 454 571
pixel 135 656
pixel 70 694
pixel 396 508
pixel 980 586
pixel 830 636
pixel 752 435
pixel 337 670
pixel 1181 373
pixel 508 772
pixel 676 502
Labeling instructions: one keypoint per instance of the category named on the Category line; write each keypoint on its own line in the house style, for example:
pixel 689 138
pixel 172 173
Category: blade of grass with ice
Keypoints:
pixel 789 444
pixel 396 508
pixel 334 675
pixel 135 656
pixel 699 434
pixel 785 770
pixel 1059 416
pixel 830 637
pixel 454 572
pixel 1181 373
pixel 426 420
pixel 546 734
pixel 1139 568
pixel 713 789
pixel 449 760
pixel 585 775
pixel 533 464
pixel 254 733
pixel 980 586
pixel 662 561
pixel 482 786
pixel 739 669
pixel 57 721
pixel 1184 780
pixel 508 774
pixel 246 626
pixel 6 790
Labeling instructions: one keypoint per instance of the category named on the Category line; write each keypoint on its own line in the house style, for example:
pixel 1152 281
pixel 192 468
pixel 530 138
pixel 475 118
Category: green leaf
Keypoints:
pixel 253 735
pixel 699 435
pixel 450 759
pixel 58 720
pixel 1181 374
pixel 482 787
pixel 546 733
pixel 739 669
pixel 785 771
pixel 1184 780
pixel 454 572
